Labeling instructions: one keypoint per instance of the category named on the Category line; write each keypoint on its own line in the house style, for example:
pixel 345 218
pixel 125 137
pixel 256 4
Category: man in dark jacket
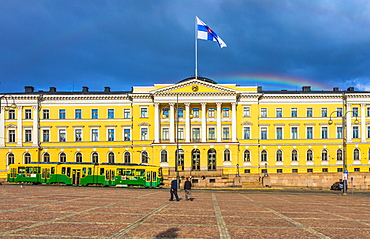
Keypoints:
pixel 187 187
pixel 173 190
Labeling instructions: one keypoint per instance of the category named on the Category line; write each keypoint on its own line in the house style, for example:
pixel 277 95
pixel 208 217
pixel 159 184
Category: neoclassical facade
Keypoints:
pixel 195 125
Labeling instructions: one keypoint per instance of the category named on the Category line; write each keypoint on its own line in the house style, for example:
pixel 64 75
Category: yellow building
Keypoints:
pixel 218 129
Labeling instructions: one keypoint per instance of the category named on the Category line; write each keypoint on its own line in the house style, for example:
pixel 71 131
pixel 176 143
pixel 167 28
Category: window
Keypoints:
pixel 279 170
pixel 309 155
pixel 127 156
pixel 94 114
pixel 294 170
pixel 355 133
pixel 325 170
pixel 144 157
pixel 246 132
pixel 339 112
pixel 144 112
pixel 279 112
pixel 211 133
pixel 293 112
pixel 247 171
pixel 294 155
pixel 78 114
pixel 355 111
pixel 264 156
pixel 165 112
pixel 309 133
pixel 263 112
pixel 226 112
pixel 339 170
pixel 324 112
pixel 94 135
pixel 279 155
pixel 78 157
pixel 62 114
pixel 356 154
pixel 164 156
pixel 225 133
pixel 309 170
pixel 111 157
pixel 368 111
pixel 294 133
pixel 11 136
pixel 144 133
pixel 180 113
pixel 110 113
pixel 126 113
pixel 339 155
pixel 227 155
pixel 127 135
pixel 10 158
pixel 247 155
pixel 279 133
pixel 62 157
pixel 211 112
pixel 263 133
pixel 27 158
pixel 196 112
pixel 368 131
pixel 11 114
pixel 246 111
pixel 45 135
pixel 356 169
pixel 110 134
pixel 324 132
pixel 309 112
pixel 28 114
pixel 78 135
pixel 180 133
pixel 62 135
pixel 196 134
pixel 95 157
pixel 165 134
pixel 28 135
pixel 339 132
pixel 324 155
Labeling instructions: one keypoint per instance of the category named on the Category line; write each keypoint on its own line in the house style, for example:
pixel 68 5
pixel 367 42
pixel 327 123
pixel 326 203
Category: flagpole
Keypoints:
pixel 196 49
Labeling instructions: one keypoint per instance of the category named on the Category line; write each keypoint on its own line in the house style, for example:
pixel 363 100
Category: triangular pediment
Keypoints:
pixel 194 86
pixel 11 126
pixel 144 124
pixel 246 123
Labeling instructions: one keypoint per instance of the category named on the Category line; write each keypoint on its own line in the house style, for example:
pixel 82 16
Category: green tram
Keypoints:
pixel 85 174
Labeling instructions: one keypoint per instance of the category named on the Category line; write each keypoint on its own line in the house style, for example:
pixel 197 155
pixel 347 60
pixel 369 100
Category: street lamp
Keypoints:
pixel 344 145
pixel 7 106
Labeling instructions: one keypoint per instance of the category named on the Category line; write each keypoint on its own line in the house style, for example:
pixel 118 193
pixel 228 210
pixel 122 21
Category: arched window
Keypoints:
pixel 356 154
pixel 110 157
pixel 195 164
pixel 95 157
pixel 127 156
pixel 46 157
pixel 10 158
pixel 294 155
pixel 227 155
pixel 78 157
pixel 279 155
pixel 62 157
pixel 27 158
pixel 247 155
pixel 264 156
pixel 164 156
pixel 144 157
pixel 339 155
pixel 212 159
pixel 309 156
pixel 324 155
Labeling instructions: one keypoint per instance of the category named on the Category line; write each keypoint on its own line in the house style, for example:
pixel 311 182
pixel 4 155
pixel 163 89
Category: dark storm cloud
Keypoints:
pixel 70 44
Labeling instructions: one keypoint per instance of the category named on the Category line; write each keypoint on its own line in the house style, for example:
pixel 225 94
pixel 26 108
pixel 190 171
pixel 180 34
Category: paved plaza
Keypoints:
pixel 88 212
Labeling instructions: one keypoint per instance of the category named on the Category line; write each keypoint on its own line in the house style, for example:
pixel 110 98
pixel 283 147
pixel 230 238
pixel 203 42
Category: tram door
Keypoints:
pixel 110 178
pixel 76 176
pixel 151 178
pixel 45 175
pixel 12 175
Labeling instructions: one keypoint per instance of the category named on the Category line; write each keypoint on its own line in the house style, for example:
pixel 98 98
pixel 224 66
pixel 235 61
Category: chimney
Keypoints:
pixel 335 89
pixel 351 89
pixel 106 89
pixel 306 88
pixel 85 89
pixel 29 89
pixel 53 89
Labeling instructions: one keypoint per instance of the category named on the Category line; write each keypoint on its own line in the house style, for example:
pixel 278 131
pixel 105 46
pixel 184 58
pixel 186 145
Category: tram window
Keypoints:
pixel 119 171
pixel 89 171
pixel 128 172
pixel 52 170
pixel 112 172
pixel 148 176
pixel 140 172
pixel 68 172
pixel 63 170
pixel 21 170
pixel 102 171
pixel 36 170
pixel 154 176
pixel 29 170
pixel 160 172
pixel 107 175
pixel 84 171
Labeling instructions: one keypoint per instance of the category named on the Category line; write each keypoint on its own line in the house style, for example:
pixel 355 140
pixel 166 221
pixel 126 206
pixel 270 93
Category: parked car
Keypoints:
pixel 337 186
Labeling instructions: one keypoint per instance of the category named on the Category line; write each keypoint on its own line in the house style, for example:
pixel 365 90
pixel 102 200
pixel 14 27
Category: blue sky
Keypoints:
pixel 282 44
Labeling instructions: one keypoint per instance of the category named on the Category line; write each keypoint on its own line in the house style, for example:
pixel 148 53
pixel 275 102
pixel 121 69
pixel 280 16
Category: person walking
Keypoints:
pixel 187 188
pixel 173 190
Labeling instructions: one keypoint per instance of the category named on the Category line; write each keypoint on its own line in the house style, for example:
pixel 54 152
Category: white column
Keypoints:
pixel 157 125
pixel 35 132
pixel 187 122
pixel 204 122
pixel 172 123
pixel 363 127
pixel 349 123
pixel 2 127
pixel 219 135
pixel 233 121
pixel 19 126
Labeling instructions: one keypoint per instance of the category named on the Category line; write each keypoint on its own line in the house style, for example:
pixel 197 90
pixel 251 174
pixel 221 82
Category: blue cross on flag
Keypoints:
pixel 206 33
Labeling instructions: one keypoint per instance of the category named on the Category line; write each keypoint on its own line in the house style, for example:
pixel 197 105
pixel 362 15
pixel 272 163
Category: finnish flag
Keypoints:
pixel 206 33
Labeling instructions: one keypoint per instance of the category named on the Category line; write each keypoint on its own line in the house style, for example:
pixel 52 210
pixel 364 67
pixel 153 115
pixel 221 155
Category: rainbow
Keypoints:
pixel 273 82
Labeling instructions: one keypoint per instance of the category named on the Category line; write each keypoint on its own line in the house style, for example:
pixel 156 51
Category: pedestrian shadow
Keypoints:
pixel 169 233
